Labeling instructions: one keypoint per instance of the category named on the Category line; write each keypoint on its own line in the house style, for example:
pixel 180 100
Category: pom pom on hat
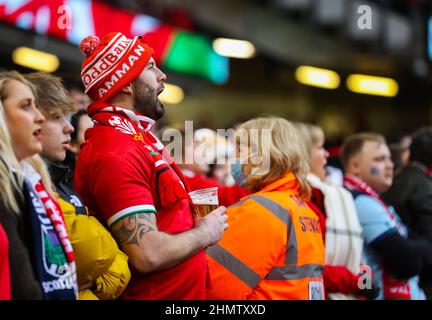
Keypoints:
pixel 89 44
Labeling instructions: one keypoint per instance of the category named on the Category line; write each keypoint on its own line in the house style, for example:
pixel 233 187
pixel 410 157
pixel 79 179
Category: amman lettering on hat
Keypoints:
pixel 112 63
pixel 120 72
pixel 108 62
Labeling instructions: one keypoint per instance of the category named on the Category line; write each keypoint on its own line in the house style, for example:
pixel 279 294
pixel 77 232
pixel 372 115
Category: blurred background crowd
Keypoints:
pixel 282 35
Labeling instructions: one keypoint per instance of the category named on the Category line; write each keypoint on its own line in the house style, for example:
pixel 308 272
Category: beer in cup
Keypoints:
pixel 204 201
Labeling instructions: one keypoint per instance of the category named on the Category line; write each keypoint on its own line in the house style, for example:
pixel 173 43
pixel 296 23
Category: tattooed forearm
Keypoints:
pixel 130 230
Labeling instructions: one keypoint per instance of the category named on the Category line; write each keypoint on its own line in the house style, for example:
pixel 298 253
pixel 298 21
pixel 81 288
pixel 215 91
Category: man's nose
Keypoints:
pixel 162 76
pixel 68 128
pixel 390 164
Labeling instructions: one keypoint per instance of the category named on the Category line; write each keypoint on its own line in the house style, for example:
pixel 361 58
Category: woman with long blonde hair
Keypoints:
pixel 41 256
pixel 9 181
pixel 9 191
pixel 273 248
pixel 22 282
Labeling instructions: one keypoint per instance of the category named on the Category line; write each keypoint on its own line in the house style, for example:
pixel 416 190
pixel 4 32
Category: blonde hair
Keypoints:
pixel 10 184
pixel 311 135
pixel 50 94
pixel 39 165
pixel 279 141
pixel 7 76
pixel 11 177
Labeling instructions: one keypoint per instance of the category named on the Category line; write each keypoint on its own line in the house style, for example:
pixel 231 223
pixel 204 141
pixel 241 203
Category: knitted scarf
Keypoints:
pixel 355 183
pixel 393 288
pixel 138 128
pixel 343 238
pixel 53 254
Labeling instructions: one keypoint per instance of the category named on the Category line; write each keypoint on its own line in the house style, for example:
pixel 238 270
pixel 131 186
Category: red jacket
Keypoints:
pixel 5 286
pixel 337 279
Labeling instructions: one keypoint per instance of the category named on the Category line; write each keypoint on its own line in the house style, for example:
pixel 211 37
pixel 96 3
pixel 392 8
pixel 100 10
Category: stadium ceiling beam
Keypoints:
pixel 280 38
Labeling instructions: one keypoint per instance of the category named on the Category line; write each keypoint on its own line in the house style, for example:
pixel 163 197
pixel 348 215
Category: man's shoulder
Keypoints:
pixel 109 137
pixel 366 200
pixel 109 143
pixel 411 181
pixel 373 217
pixel 368 205
pixel 411 172
pixel 112 158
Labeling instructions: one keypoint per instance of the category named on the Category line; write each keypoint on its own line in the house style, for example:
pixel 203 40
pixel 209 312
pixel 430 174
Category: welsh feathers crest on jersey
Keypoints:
pixel 122 125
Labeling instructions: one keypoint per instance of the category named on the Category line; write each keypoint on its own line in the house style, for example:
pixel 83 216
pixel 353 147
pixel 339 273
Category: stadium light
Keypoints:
pixel 231 48
pixel 317 77
pixel 380 86
pixel 35 59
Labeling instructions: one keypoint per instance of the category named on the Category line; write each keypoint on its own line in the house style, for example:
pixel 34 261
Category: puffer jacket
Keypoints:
pixel 102 268
pixel 101 265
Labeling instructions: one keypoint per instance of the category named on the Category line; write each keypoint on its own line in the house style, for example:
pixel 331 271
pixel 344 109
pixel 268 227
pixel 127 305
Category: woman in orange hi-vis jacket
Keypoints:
pixel 273 248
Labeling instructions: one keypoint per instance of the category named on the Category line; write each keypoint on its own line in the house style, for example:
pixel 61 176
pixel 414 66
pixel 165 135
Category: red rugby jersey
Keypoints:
pixel 116 177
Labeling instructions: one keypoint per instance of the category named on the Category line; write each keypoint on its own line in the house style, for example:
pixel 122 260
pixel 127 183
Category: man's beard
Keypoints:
pixel 146 101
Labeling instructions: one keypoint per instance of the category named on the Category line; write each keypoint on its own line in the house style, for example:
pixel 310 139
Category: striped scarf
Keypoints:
pixel 54 259
pixel 354 183
pixel 393 288
pixel 138 128
pixel 343 239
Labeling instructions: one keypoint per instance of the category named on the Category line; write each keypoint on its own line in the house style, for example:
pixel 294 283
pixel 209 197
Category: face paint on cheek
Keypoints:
pixel 375 171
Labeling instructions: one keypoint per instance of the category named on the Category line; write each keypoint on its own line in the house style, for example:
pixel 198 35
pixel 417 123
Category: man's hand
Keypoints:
pixel 212 226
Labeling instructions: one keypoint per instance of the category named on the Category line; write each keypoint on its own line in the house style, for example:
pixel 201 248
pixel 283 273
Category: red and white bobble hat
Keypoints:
pixel 111 63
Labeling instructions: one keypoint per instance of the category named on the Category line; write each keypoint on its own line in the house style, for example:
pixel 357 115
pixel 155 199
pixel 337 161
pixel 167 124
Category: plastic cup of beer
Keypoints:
pixel 205 201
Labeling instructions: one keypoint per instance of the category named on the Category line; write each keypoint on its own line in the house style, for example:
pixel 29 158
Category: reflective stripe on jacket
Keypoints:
pixel 272 249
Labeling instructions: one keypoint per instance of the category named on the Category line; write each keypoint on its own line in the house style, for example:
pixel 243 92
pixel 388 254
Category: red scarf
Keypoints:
pixel 104 114
pixel 138 127
pixel 355 183
pixel 393 288
pixel 54 213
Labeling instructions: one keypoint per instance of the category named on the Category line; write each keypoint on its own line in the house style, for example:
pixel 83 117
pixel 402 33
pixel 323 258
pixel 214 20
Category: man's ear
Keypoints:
pixel 354 165
pixel 127 89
